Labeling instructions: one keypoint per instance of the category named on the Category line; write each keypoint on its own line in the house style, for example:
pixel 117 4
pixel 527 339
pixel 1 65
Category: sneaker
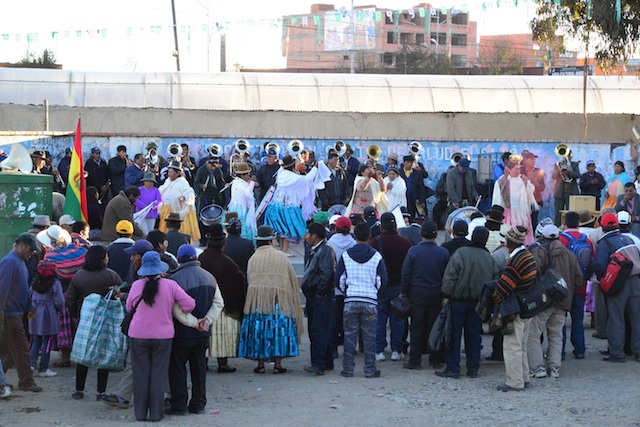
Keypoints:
pixel 395 356
pixel 380 357
pixel 78 395
pixel 374 374
pixel 5 392
pixel 47 373
pixel 115 401
pixel 554 372
pixel 101 396
pixel 539 372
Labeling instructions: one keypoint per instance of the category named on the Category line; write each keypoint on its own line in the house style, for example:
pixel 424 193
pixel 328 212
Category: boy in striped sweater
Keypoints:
pixel 520 273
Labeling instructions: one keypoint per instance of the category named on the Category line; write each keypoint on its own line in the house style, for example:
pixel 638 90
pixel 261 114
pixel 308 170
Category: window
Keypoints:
pixel 439 17
pixel 387 20
pixel 405 38
pixel 390 38
pixel 389 58
pixel 460 19
pixel 458 39
pixel 459 60
pixel 419 39
pixel 345 57
pixel 441 38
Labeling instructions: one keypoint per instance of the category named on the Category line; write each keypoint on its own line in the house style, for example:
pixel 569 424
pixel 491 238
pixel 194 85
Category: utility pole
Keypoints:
pixel 175 36
pixel 353 41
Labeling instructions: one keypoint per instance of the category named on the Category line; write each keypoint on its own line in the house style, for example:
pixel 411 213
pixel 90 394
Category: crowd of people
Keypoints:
pixel 366 237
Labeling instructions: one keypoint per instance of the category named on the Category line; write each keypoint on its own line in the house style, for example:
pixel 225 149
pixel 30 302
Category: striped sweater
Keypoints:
pixel 520 273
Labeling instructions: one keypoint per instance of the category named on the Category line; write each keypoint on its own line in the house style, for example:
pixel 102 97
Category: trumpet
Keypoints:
pixel 563 152
pixel 215 150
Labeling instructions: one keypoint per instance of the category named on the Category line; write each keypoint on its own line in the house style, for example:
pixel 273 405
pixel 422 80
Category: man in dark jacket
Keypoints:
pixel 350 165
pixel 372 221
pixel 117 167
pixel 134 173
pixel 190 345
pixel 119 261
pixel 468 269
pixel 209 184
pixel 393 249
pixel 460 231
pixel 413 178
pixel 318 289
pixel 237 247
pixel 592 182
pixel 121 207
pixel 461 187
pixel 159 241
pixel 628 299
pixel 421 281
pixel 336 191
pixel 174 236
pixel 266 175
pixel 98 175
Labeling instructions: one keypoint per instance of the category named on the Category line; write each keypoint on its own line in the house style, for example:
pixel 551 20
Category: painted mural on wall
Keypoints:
pixel 436 154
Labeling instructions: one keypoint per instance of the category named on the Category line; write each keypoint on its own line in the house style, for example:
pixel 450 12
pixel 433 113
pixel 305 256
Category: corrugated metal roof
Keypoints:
pixel 358 93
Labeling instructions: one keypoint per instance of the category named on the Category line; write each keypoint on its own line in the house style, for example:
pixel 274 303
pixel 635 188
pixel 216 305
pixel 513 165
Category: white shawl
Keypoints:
pixel 172 191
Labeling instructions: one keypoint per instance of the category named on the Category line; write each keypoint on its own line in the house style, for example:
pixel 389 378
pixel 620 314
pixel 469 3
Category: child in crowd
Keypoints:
pixel 47 298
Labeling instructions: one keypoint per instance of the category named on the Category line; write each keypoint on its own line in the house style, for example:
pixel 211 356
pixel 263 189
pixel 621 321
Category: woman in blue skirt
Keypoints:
pixel 272 323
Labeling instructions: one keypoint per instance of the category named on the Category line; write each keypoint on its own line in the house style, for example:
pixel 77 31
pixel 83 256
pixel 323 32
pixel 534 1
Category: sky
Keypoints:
pixel 137 35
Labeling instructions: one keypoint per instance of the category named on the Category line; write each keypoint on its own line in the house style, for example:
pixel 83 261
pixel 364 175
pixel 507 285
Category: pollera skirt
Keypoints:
pixel 286 220
pixel 264 336
pixel 189 223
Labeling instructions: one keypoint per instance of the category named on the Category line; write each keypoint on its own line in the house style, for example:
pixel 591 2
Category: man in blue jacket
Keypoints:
pixel 190 345
pixel 14 302
pixel 421 281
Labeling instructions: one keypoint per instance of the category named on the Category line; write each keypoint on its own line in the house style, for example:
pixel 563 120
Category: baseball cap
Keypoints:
pixel 369 211
pixel 624 217
pixel 124 227
pixel 96 150
pixel 333 219
pixel 140 247
pixel 460 227
pixel 464 163
pixel 66 220
pixel 609 220
pixel 388 220
pixel 550 231
pixel 29 239
pixel 590 162
pixel 343 223
pixel 429 229
pixel 526 154
pixel 186 253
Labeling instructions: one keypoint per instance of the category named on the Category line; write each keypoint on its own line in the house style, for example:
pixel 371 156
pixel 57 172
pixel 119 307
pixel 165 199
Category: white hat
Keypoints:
pixel 550 231
pixel 54 237
pixel 624 217
pixel 66 220
pixel 333 219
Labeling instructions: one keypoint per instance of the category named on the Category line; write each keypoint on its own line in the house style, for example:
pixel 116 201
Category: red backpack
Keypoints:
pixel 617 272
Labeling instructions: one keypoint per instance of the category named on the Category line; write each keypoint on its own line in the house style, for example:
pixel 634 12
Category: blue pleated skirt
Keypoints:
pixel 286 220
pixel 264 336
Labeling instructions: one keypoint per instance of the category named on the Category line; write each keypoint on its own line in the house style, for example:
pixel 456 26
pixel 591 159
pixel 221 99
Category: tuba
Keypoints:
pixel 340 147
pixel 295 147
pixel 271 145
pixel 416 149
pixel 374 152
pixel 174 150
pixel 215 150
pixel 563 152
pixel 456 157
pixel 241 147
pixel 151 159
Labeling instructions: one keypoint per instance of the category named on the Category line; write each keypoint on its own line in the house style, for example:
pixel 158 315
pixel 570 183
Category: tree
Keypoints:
pixel 612 27
pixel 419 59
pixel 47 60
pixel 500 56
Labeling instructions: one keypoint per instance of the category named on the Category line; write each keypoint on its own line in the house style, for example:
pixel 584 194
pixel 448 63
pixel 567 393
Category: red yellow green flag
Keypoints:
pixel 76 203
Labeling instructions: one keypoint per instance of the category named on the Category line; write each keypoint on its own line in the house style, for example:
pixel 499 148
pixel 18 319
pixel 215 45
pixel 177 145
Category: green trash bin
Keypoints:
pixel 22 197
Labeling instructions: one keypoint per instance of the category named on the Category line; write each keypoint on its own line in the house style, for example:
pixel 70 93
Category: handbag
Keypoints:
pixel 401 307
pixel 533 300
pixel 440 335
pixel 126 322
pixel 99 342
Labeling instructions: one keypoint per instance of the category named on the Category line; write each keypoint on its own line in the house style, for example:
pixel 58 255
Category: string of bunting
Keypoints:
pixel 392 15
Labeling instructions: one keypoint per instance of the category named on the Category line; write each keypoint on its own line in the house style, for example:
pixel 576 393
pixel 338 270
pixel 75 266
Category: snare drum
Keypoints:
pixel 211 214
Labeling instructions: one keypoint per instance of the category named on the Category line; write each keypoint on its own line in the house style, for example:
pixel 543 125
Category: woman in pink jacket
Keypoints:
pixel 151 331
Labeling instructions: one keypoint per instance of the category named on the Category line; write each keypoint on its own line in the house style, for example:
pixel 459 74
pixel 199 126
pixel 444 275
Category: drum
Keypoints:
pixel 211 214
pixel 460 213
pixel 262 207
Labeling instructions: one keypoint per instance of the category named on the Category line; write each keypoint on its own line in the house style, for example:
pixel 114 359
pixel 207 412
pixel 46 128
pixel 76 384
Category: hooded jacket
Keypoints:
pixel 361 274
pixel 555 255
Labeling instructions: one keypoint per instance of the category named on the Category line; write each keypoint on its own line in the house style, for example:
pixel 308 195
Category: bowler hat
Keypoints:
pixel 149 176
pixel 242 168
pixel 174 164
pixel 215 232
pixel 41 220
pixel 265 232
pixel 174 216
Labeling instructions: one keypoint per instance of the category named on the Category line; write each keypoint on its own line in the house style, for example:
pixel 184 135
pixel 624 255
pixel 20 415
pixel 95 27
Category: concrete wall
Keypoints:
pixel 417 126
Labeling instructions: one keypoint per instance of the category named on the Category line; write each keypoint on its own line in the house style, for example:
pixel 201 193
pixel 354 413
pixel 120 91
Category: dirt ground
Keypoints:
pixel 589 392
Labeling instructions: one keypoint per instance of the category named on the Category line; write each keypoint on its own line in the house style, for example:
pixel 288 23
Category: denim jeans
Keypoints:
pixel 396 325
pixel 40 343
pixel 359 315
pixel 577 327
pixel 3 377
pixel 319 313
pixel 464 315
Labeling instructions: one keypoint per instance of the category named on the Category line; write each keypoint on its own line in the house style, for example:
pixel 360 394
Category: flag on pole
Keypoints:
pixel 76 203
